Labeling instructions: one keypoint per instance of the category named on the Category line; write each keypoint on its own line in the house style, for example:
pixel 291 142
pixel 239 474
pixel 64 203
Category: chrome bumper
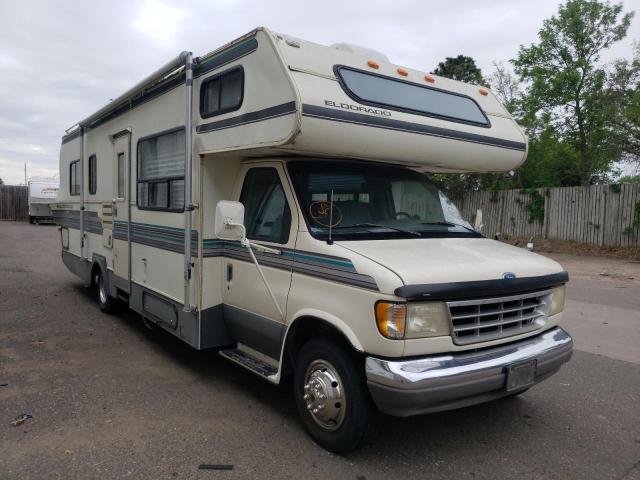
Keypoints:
pixel 444 382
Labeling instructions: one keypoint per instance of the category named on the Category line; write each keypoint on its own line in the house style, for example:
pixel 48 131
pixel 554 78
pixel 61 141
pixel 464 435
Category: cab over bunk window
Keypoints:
pixel 161 163
pixel 74 177
pixel 380 91
pixel 222 93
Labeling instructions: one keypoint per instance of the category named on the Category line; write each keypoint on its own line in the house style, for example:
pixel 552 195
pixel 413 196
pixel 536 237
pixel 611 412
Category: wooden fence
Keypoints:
pixel 600 214
pixel 14 203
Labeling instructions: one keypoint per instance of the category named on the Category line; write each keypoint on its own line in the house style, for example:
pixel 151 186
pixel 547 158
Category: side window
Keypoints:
pixel 74 178
pixel 93 174
pixel 121 173
pixel 222 93
pixel 267 215
pixel 161 161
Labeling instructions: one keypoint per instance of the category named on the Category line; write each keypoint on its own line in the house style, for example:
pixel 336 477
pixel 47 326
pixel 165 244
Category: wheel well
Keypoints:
pixel 303 330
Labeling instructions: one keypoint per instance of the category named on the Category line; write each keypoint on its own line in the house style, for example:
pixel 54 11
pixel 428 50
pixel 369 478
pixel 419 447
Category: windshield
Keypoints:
pixel 373 201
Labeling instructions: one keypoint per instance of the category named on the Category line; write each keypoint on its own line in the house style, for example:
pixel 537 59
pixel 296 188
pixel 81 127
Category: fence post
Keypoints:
pixel 545 220
pixel 603 216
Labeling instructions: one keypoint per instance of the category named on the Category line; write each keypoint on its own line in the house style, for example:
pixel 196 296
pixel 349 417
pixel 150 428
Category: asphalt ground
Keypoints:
pixel 112 399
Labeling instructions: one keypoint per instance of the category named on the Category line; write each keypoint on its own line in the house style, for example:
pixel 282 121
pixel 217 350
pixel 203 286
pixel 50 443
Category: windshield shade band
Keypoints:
pixel 478 289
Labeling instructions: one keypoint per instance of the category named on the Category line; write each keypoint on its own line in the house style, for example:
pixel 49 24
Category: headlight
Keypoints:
pixel 414 320
pixel 557 300
pixel 427 320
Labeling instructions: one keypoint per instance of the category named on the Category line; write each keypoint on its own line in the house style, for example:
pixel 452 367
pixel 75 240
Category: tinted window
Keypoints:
pixel 267 216
pixel 222 93
pixel 392 93
pixel 93 174
pixel 363 201
pixel 161 163
pixel 74 178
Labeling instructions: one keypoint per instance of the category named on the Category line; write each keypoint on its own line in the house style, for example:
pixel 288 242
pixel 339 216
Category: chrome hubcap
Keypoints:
pixel 324 395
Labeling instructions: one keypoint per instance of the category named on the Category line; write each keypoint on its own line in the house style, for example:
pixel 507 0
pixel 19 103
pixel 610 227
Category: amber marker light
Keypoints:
pixel 373 64
pixel 429 78
pixel 391 319
pixel 484 91
pixel 402 71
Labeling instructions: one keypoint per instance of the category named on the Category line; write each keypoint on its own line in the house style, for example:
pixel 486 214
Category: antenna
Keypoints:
pixel 330 240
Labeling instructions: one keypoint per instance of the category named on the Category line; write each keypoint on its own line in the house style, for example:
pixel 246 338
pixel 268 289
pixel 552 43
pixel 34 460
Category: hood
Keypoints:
pixel 443 260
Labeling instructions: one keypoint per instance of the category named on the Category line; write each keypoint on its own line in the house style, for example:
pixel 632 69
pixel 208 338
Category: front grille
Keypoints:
pixel 493 318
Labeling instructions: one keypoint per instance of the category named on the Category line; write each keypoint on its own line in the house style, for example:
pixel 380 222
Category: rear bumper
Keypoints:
pixel 444 382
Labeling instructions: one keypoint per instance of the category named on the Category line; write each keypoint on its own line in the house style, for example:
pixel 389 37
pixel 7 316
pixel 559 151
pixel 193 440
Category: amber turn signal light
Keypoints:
pixel 391 319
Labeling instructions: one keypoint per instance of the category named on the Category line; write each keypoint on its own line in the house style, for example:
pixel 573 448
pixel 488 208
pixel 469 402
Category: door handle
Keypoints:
pixel 229 272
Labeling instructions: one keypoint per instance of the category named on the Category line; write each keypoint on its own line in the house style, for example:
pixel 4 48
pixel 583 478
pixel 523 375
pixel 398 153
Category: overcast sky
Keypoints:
pixel 62 60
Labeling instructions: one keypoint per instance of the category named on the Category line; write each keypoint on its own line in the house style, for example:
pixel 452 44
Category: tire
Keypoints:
pixel 105 301
pixel 331 395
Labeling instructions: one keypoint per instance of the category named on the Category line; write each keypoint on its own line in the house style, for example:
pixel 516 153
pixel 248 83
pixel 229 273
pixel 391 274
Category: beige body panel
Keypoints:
pixel 447 260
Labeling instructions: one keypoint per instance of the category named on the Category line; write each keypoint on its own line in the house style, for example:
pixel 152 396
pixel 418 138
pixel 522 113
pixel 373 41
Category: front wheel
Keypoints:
pixel 105 301
pixel 331 395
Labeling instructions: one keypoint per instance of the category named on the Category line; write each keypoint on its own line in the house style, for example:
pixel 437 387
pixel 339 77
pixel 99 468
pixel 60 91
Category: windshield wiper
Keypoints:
pixel 378 225
pixel 449 224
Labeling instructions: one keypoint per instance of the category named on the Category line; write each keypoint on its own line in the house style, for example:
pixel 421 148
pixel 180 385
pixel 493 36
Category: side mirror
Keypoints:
pixel 229 224
pixel 477 225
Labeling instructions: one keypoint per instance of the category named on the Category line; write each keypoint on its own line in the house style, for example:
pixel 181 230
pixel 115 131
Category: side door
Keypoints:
pixel 120 205
pixel 250 314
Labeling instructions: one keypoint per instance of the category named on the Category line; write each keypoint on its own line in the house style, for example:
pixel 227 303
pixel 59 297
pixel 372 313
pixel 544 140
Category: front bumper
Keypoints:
pixel 444 382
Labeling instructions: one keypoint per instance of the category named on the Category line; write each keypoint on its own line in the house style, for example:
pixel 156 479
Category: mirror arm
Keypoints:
pixel 262 248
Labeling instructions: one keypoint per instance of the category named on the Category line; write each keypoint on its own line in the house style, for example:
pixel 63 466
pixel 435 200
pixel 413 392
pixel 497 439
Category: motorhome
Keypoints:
pixel 41 193
pixel 271 200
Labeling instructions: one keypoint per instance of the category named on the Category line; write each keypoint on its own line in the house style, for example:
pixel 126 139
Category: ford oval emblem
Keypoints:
pixel 509 275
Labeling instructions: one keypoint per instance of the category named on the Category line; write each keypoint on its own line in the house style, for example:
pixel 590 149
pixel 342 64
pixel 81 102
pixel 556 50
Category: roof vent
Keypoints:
pixel 358 50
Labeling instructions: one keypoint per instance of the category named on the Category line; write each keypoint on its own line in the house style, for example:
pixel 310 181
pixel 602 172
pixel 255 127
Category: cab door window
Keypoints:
pixel 267 215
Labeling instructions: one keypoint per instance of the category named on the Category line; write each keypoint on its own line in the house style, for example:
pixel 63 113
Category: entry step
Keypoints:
pixel 250 362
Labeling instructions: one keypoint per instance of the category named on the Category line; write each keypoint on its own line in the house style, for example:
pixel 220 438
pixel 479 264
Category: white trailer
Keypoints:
pixel 42 192
pixel 271 200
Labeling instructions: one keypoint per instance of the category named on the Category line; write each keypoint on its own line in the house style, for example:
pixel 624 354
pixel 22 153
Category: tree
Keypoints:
pixel 460 68
pixel 621 100
pixel 1 182
pixel 629 179
pixel 565 82
pixel 505 86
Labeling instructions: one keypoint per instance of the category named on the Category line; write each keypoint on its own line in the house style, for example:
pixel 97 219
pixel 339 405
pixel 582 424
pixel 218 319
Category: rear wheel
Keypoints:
pixel 331 395
pixel 105 301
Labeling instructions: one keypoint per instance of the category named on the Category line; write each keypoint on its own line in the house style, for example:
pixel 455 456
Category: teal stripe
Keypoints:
pixel 215 243
pixel 329 261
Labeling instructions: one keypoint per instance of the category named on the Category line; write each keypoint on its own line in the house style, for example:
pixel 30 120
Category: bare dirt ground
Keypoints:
pixel 111 399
